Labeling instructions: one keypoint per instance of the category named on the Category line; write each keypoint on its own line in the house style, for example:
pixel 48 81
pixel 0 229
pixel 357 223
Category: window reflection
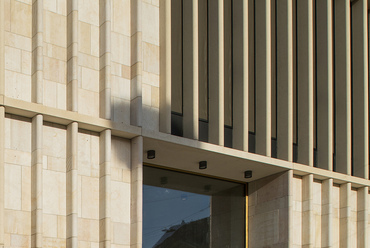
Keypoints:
pixel 183 210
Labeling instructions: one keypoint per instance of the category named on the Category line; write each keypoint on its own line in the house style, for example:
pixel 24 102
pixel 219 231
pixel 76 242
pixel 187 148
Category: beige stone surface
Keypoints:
pixel 54 189
pixel 89 198
pixel 89 11
pixel 17 222
pixel 21 18
pixel 121 17
pixel 53 35
pixel 150 24
pixel 150 58
pixel 120 197
pixel 13 187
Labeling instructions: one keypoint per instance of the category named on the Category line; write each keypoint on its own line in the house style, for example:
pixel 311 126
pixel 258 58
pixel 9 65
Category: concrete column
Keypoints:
pixel 342 51
pixel 190 69
pixel 308 221
pixel 240 74
pixel 263 76
pixel 37 182
pixel 345 216
pixel 2 144
pixel 324 75
pixel 165 66
pixel 360 90
pixel 136 63
pixel 72 185
pixel 37 51
pixel 136 191
pixel 362 217
pixel 72 55
pixel 305 81
pixel 105 58
pixel 284 79
pixel 216 72
pixel 327 213
pixel 105 189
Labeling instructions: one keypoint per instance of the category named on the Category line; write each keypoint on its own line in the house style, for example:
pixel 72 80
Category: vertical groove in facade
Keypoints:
pixel 360 90
pixel 37 51
pixel 342 52
pixel 165 66
pixel 284 79
pixel 308 228
pixel 216 72
pixel 324 82
pixel 136 191
pixel 2 193
pixel 105 58
pixel 105 189
pixel 37 182
pixel 190 70
pixel 305 81
pixel 72 55
pixel 345 215
pixel 136 63
pixel 327 213
pixel 72 186
pixel 241 73
pixel 263 77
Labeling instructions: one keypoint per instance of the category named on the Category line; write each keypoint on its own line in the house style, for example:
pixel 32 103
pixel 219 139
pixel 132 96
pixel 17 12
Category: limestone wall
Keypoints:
pixel 19 222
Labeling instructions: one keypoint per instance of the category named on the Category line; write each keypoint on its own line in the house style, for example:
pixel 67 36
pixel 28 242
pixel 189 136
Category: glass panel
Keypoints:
pixel 183 210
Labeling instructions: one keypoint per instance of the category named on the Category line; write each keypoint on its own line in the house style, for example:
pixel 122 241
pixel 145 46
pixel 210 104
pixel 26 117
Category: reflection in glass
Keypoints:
pixel 183 210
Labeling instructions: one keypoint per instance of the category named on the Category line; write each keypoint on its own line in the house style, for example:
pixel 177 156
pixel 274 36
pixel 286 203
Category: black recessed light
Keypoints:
pixel 248 174
pixel 151 154
pixel 202 165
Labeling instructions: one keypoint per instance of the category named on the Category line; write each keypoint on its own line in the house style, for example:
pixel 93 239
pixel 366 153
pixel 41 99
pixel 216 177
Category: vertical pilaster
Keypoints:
pixel 2 144
pixel 2 122
pixel 240 74
pixel 2 53
pixel 72 55
pixel 362 217
pixel 136 191
pixel 360 90
pixel 324 75
pixel 190 69
pixel 342 70
pixel 308 221
pixel 105 58
pixel 345 216
pixel 327 213
pixel 305 81
pixel 37 182
pixel 290 209
pixel 105 189
pixel 72 185
pixel 216 72
pixel 136 63
pixel 37 51
pixel 165 66
pixel 263 77
pixel 284 79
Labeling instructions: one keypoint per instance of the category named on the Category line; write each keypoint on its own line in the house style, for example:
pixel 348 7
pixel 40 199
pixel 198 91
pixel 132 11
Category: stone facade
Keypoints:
pixel 85 92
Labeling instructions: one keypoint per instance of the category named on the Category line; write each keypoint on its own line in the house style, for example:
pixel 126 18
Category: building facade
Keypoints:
pixel 272 96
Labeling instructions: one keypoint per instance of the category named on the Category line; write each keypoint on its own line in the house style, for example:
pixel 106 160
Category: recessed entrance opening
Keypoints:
pixel 185 210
